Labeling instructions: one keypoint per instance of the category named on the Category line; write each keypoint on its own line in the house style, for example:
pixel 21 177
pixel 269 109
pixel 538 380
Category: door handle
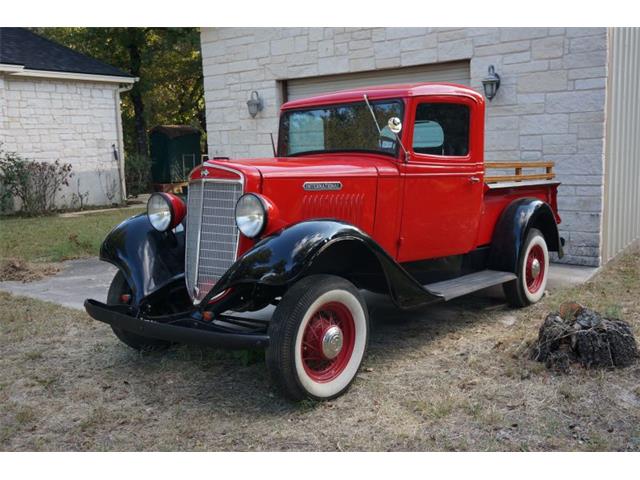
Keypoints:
pixel 474 179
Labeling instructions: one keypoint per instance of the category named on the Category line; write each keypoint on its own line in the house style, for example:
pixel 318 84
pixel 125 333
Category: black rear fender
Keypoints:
pixel 512 228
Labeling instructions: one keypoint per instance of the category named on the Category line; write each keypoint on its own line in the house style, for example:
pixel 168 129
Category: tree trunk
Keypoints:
pixel 136 37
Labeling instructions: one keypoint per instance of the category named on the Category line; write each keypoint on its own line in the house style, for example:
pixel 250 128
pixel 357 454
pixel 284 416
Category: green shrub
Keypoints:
pixel 6 200
pixel 35 184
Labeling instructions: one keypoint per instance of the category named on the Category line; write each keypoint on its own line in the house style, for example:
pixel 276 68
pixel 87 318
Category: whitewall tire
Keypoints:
pixel 318 338
pixel 533 272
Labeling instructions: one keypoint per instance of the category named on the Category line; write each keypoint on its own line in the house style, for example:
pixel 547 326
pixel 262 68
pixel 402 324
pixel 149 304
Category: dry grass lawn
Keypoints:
pixel 454 377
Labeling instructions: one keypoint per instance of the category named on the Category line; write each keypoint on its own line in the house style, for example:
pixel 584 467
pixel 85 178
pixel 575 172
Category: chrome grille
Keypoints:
pixel 212 235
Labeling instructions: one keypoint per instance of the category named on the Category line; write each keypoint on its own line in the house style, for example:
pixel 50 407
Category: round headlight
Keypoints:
pixel 159 212
pixel 251 215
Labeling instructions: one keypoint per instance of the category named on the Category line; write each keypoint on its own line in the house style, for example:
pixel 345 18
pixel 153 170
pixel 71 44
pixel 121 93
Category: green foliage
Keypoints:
pixel 6 200
pixel 137 174
pixel 35 184
pixel 168 64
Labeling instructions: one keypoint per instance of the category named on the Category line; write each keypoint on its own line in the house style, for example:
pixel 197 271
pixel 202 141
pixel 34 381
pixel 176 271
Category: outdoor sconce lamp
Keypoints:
pixel 254 104
pixel 491 83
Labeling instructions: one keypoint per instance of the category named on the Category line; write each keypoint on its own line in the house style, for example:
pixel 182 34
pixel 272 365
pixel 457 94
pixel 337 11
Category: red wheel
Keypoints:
pixel 533 272
pixel 535 268
pixel 327 342
pixel 317 338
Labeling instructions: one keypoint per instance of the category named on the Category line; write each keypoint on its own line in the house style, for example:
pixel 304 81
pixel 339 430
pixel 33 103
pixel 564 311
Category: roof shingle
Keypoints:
pixel 19 46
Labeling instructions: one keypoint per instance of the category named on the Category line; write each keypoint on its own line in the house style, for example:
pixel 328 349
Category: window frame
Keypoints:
pixel 373 101
pixel 418 157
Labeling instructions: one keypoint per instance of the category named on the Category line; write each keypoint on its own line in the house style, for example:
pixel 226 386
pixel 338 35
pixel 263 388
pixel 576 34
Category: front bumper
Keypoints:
pixel 224 331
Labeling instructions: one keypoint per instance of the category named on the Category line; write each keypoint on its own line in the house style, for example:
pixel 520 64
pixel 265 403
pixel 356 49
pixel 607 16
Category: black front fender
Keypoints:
pixel 512 227
pixel 282 258
pixel 147 258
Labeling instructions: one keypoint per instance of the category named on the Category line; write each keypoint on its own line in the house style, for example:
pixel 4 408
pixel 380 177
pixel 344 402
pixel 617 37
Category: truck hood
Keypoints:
pixel 337 186
pixel 311 166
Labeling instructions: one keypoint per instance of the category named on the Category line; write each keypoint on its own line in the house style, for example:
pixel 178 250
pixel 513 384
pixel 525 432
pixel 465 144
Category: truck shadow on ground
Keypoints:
pixel 238 384
pixel 394 332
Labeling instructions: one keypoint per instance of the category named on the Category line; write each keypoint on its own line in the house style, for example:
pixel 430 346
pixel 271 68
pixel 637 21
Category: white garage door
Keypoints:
pixel 453 72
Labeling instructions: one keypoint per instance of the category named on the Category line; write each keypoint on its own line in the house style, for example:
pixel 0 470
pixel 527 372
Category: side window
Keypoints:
pixel 441 129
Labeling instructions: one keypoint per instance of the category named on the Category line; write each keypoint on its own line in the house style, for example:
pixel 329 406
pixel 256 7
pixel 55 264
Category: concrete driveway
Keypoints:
pixel 77 280
pixel 90 278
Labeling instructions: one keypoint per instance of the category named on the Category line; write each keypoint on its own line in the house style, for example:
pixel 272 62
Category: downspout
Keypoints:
pixel 120 139
pixel 3 113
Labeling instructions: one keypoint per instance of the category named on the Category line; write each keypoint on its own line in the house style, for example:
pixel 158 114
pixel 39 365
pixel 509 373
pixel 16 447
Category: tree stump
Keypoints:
pixel 580 335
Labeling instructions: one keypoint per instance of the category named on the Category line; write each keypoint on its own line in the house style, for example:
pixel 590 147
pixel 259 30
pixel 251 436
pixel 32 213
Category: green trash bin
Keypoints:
pixel 175 151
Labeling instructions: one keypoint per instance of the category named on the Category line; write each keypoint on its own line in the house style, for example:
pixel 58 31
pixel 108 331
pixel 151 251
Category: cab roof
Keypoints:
pixel 385 91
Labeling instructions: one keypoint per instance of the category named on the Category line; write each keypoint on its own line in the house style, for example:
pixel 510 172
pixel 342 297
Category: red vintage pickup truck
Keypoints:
pixel 382 189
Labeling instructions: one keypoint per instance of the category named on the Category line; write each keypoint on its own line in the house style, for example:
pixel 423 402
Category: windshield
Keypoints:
pixel 339 128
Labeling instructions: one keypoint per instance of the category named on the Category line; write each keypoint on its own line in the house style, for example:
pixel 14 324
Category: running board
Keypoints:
pixel 460 286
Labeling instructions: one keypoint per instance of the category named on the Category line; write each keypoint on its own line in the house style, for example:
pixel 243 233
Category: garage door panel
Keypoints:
pixel 453 72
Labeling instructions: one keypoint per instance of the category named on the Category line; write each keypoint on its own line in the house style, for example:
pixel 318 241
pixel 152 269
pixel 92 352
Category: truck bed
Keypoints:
pixel 503 188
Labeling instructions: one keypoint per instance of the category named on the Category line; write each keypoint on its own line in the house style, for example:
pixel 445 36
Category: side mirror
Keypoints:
pixel 395 125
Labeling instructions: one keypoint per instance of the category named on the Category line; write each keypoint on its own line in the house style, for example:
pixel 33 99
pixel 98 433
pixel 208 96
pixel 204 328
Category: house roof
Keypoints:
pixel 385 91
pixel 23 48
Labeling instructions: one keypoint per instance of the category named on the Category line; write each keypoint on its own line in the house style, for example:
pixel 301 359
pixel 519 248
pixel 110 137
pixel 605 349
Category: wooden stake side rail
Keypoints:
pixel 519 175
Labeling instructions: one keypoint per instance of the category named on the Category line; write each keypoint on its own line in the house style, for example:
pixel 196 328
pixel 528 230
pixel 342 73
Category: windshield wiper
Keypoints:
pixel 373 115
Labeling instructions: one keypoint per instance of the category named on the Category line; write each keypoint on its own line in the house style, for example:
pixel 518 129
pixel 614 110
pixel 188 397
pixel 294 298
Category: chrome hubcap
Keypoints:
pixel 535 268
pixel 332 342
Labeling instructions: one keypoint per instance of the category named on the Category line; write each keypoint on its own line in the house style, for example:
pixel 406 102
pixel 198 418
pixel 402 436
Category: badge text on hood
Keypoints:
pixel 315 186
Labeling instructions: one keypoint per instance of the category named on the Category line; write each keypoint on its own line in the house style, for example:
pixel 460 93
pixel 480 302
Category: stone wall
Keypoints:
pixel 70 121
pixel 550 105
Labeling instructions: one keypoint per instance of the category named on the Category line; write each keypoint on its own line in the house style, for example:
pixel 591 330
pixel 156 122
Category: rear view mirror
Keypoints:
pixel 395 125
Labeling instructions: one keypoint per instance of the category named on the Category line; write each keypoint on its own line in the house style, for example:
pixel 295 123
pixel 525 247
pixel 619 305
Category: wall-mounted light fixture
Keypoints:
pixel 254 104
pixel 491 83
